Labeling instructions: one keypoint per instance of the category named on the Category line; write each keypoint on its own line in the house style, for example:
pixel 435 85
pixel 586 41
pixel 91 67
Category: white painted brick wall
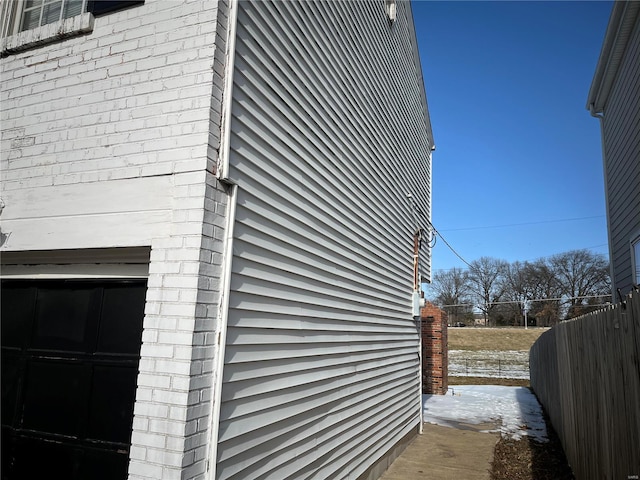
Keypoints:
pixel 143 68
pixel 137 98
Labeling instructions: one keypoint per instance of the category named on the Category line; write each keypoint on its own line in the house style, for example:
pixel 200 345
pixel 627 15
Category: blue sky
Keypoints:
pixel 507 85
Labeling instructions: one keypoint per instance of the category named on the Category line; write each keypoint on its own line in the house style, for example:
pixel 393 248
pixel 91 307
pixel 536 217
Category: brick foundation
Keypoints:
pixel 435 360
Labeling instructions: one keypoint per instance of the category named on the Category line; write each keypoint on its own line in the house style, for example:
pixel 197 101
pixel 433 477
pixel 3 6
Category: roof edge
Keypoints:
pixel 418 63
pixel 621 22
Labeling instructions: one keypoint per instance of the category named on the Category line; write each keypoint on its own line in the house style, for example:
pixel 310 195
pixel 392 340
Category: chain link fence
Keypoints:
pixel 489 363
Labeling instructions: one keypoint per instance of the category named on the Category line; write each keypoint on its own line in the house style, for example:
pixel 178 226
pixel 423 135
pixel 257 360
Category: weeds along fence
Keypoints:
pixel 586 374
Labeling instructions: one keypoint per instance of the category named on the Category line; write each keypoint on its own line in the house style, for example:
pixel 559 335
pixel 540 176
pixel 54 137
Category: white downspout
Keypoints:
pixel 600 117
pixel 221 333
pixel 222 167
pixel 222 173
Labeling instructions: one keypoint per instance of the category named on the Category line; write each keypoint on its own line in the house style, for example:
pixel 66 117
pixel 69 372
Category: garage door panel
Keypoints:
pixel 16 310
pixel 38 458
pixel 11 372
pixel 55 396
pixel 63 318
pixel 104 465
pixel 45 458
pixel 109 413
pixel 121 319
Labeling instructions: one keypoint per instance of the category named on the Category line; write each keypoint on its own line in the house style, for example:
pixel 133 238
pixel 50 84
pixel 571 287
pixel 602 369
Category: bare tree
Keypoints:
pixel 487 283
pixel 546 291
pixel 450 291
pixel 520 287
pixel 581 274
pixel 565 285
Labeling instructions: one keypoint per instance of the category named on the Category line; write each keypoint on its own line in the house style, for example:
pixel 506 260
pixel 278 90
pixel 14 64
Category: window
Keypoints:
pixel 21 15
pixel 635 260
pixel 43 12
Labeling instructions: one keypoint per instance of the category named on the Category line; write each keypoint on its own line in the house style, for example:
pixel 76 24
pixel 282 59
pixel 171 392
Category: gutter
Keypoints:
pixel 600 117
pixel 619 30
pixel 222 167
pixel 418 66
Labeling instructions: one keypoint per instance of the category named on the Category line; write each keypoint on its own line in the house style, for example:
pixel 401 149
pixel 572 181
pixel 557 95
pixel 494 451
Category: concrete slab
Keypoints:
pixel 444 453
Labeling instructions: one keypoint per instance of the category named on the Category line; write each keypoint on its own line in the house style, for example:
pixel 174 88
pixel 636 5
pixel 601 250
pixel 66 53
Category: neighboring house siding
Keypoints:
pixel 329 134
pixel 622 162
pixel 109 140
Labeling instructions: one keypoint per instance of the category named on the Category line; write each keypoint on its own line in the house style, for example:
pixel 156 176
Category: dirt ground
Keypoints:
pixel 507 382
pixel 529 460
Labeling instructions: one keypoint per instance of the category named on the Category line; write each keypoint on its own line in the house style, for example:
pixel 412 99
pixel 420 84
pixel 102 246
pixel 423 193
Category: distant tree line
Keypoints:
pixel 552 289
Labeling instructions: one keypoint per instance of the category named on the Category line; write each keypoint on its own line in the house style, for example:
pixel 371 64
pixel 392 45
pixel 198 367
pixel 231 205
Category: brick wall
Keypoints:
pixel 130 99
pixel 110 139
pixel 435 359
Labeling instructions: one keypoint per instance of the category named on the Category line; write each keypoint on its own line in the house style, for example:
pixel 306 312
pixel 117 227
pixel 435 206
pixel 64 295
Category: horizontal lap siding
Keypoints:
pixel 622 149
pixel 329 134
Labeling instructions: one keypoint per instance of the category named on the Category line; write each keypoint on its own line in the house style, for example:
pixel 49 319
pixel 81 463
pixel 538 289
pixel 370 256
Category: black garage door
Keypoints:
pixel 70 354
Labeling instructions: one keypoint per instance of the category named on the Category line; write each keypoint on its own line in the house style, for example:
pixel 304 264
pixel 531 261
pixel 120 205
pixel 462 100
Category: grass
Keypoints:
pixel 482 339
pixel 474 339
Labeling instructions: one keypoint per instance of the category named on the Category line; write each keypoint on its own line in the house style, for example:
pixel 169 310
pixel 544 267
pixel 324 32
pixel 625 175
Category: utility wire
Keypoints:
pixel 525 260
pixel 522 224
pixel 435 232
pixel 450 247
pixel 417 208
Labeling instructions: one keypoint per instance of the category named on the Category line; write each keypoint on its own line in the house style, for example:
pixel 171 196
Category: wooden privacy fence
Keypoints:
pixel 586 374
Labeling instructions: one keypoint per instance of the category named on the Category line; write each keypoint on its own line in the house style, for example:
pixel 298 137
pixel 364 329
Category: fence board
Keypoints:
pixel 586 374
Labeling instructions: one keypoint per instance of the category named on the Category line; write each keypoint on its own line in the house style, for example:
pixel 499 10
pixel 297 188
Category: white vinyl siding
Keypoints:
pixel 622 157
pixel 329 134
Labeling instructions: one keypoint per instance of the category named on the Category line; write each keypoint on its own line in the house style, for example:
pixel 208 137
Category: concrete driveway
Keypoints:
pixel 444 453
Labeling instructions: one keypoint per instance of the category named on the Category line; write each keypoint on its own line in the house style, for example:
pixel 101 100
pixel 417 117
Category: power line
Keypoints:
pixel 437 233
pixel 417 208
pixel 450 247
pixel 596 246
pixel 522 224
pixel 533 259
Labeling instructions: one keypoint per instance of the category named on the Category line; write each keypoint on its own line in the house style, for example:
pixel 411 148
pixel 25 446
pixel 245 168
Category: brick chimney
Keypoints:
pixel 435 359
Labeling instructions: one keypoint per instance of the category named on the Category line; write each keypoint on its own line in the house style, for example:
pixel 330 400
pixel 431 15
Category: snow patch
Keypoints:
pixel 515 408
pixel 489 363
